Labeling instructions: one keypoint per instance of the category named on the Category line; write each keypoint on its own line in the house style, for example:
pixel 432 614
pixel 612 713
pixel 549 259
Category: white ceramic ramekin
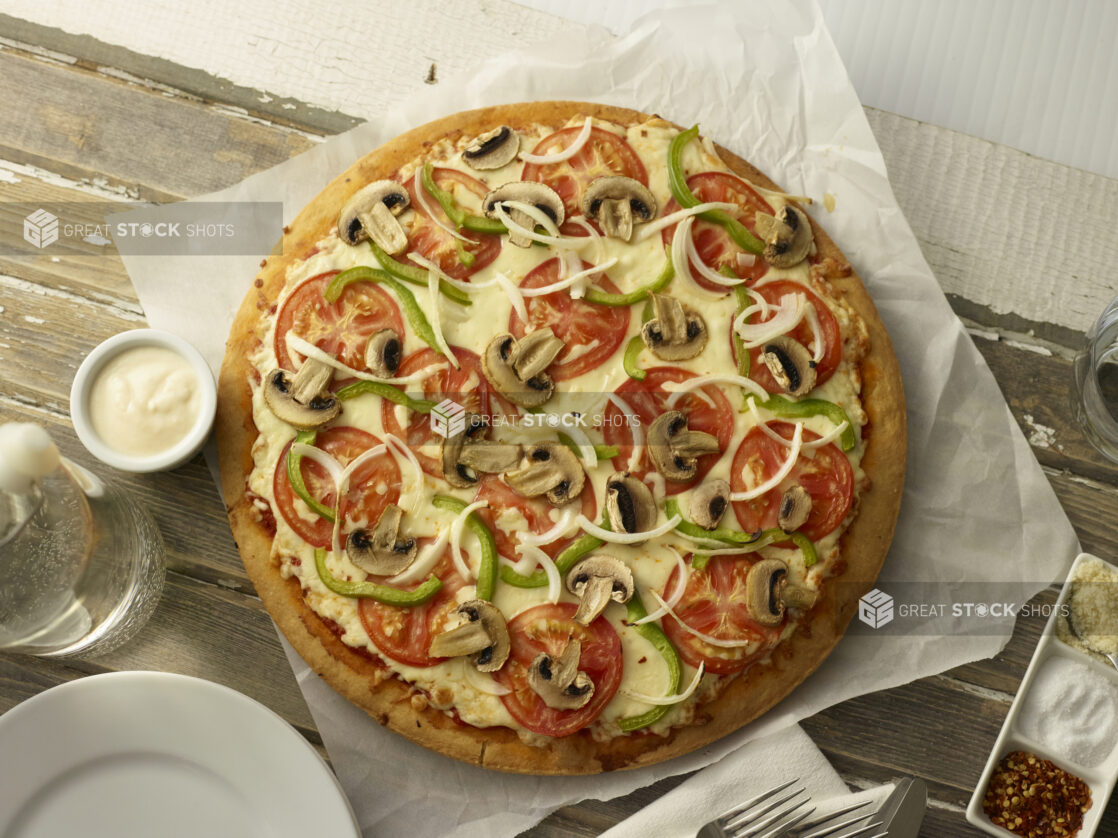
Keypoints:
pixel 186 448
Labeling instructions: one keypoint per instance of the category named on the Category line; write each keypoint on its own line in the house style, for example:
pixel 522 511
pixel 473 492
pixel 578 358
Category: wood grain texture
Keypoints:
pixel 211 625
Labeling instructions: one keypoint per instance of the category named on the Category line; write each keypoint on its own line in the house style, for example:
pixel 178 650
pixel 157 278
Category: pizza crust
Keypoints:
pixel 396 705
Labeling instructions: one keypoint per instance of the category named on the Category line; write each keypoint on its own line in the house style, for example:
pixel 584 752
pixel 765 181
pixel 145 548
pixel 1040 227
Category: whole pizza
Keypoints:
pixel 560 439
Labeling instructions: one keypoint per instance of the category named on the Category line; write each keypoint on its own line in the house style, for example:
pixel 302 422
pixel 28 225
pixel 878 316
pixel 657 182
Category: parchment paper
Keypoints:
pixel 763 78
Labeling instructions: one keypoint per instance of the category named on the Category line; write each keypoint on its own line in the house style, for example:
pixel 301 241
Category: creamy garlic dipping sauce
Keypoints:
pixel 145 400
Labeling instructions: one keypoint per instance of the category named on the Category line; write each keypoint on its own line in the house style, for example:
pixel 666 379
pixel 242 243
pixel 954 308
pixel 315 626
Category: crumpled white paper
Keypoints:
pixel 763 78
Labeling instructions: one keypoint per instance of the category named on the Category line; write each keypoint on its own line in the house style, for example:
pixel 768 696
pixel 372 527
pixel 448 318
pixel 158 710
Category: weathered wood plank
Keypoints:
pixel 84 125
pixel 986 218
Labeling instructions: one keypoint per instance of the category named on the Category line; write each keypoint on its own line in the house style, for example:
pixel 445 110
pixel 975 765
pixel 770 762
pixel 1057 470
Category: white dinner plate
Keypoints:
pixel 155 755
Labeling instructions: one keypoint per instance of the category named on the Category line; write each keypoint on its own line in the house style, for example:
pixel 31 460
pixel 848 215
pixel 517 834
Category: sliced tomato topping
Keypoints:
pixel 405 634
pixel 828 326
pixel 826 475
pixel 508 512
pixel 714 603
pixel 604 153
pixel 374 485
pixel 436 244
pixel 591 332
pixel 709 412
pixel 546 628
pixel 466 385
pixel 340 328
pixel 712 242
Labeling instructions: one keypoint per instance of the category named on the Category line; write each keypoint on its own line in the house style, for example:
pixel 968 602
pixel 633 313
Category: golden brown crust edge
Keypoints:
pixel 393 703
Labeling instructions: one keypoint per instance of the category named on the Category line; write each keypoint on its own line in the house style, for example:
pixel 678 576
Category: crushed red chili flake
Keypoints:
pixel 1035 798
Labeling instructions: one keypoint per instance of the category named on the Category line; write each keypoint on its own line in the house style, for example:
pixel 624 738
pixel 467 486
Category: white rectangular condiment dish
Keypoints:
pixel 1101 778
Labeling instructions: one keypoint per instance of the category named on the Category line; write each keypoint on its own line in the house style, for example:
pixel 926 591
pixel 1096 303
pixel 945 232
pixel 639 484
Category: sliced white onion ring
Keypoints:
pixel 570 280
pixel 697 262
pixel 555 240
pixel 832 435
pixel 425 562
pixel 341 486
pixel 676 594
pixel 627 537
pixel 706 638
pixel 433 296
pixel 562 527
pixel 790 311
pixel 566 154
pixel 554 583
pixel 586 450
pixel 746 260
pixel 402 453
pixel 812 318
pixel 483 682
pixel 678 388
pixel 634 427
pixel 782 472
pixel 456 539
pixel 431 267
pixel 653 227
pixel 663 700
pixel 421 197
pixel 303 347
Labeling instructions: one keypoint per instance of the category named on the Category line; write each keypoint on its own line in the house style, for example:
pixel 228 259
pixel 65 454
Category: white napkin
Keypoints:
pixel 764 79
pixel 760 765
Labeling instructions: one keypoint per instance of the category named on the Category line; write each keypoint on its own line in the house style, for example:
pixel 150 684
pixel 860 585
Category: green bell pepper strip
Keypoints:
pixel 602 452
pixel 374 590
pixel 602 298
pixel 362 273
pixel 671 508
pixel 487 569
pixel 739 345
pixel 295 477
pixel 677 183
pixel 458 216
pixel 654 635
pixel 464 256
pixel 385 391
pixel 567 559
pixel 699 559
pixel 805 408
pixel 417 276
pixel 631 358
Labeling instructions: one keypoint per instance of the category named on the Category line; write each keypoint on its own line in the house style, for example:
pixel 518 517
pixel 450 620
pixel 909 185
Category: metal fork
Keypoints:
pixel 779 813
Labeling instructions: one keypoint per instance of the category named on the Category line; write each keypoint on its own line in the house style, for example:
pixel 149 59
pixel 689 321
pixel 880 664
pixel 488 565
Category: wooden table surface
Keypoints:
pixel 1023 249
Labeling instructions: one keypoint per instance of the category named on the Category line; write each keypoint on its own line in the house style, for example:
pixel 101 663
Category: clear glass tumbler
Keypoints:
pixel 1096 384
pixel 81 565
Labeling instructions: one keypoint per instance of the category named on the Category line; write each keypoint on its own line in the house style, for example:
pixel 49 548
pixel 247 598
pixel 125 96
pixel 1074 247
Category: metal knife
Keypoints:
pixel 903 810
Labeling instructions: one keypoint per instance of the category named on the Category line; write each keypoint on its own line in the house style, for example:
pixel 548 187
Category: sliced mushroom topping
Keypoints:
pixel 768 592
pixel 787 236
pixel 709 502
pixel 675 449
pixel 795 506
pixel 302 400
pixel 382 552
pixel 484 637
pixel 676 333
pixel 463 456
pixel 629 504
pixel 383 353
pixel 558 681
pixel 597 580
pixel 617 203
pixel 539 195
pixel 535 352
pixel 505 355
pixel 371 214
pixel 493 149
pixel 551 469
pixel 791 365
